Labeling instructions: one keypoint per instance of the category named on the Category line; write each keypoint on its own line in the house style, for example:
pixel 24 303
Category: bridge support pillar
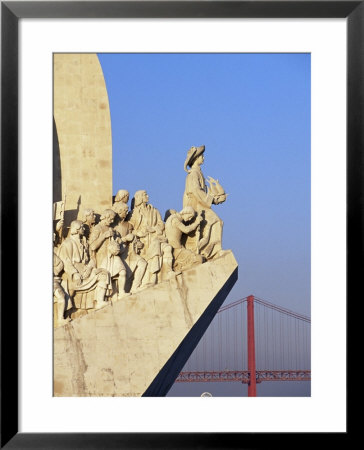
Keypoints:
pixel 252 386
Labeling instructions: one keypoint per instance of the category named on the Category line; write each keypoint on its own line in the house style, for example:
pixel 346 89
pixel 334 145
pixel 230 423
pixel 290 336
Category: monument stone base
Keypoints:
pixel 138 345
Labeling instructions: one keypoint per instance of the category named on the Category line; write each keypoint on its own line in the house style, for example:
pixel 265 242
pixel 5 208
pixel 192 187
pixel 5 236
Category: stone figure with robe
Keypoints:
pixel 82 275
pixel 131 248
pixel 101 238
pixel 207 239
pixel 149 227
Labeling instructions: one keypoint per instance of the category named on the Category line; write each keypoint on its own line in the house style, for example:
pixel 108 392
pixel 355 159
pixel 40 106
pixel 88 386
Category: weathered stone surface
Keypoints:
pixel 137 345
pixel 83 127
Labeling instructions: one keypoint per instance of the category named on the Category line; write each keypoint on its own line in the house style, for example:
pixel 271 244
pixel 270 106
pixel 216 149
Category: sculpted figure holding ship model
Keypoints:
pixel 207 239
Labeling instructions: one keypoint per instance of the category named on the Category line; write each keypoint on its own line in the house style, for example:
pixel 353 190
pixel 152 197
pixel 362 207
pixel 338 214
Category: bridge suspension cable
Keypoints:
pixel 280 343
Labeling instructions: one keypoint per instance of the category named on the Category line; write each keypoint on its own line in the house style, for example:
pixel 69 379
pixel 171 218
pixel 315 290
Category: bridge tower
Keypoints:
pixel 252 385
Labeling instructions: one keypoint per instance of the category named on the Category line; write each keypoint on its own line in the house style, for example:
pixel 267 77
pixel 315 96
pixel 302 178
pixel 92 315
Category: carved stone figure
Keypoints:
pixel 89 221
pixel 121 224
pixel 168 213
pixel 101 237
pixel 59 294
pixel 58 233
pixel 115 266
pixel 207 238
pixel 58 221
pixel 130 253
pixel 122 196
pixel 149 227
pixel 136 265
pixel 82 275
pixel 175 228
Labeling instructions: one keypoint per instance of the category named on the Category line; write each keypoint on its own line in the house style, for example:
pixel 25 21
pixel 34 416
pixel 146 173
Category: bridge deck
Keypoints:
pixel 244 376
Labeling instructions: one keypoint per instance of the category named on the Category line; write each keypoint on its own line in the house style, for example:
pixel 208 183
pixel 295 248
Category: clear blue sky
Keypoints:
pixel 252 112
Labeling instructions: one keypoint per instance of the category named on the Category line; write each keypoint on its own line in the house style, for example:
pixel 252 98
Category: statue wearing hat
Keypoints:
pixel 207 239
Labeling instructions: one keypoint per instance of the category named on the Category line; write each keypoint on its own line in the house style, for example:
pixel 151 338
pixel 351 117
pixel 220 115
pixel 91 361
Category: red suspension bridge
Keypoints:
pixel 250 341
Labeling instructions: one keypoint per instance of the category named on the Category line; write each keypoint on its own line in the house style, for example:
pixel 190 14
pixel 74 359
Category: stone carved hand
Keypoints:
pixel 128 238
pixel 87 273
pixel 77 278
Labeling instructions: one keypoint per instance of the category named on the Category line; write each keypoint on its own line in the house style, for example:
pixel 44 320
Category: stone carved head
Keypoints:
pixel 89 215
pixel 192 155
pixel 121 210
pixel 188 213
pixel 108 216
pixel 122 196
pixel 76 227
pixel 140 197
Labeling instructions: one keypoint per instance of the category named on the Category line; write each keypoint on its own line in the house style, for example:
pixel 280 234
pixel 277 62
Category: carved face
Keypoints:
pixel 91 218
pixel 122 196
pixel 145 197
pixel 81 230
pixel 141 197
pixel 109 219
pixel 123 212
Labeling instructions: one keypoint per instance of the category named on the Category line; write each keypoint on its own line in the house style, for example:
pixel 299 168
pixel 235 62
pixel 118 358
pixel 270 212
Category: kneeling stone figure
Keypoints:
pixel 175 229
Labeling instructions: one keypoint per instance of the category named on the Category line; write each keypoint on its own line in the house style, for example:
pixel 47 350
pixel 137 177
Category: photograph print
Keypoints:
pixel 181 224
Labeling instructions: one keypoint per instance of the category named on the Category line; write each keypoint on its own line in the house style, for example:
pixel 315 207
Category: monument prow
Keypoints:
pixel 137 346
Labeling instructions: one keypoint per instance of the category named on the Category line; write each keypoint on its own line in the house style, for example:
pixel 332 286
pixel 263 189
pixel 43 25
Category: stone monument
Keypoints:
pixel 133 294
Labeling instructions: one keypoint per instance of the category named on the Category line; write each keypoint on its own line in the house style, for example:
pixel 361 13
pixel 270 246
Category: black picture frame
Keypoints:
pixel 11 12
